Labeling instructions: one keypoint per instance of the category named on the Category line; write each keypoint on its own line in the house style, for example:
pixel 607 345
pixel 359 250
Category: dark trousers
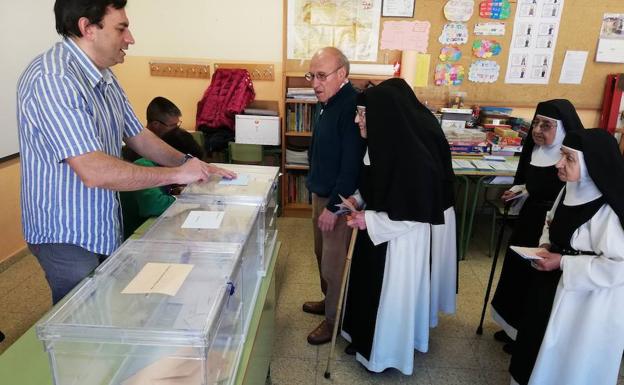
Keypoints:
pixel 64 265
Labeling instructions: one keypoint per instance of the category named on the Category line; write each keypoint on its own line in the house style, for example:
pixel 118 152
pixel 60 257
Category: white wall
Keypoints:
pixel 245 30
pixel 26 30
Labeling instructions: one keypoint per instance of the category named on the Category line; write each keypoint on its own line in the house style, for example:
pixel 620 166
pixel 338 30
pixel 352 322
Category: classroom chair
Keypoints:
pixel 245 153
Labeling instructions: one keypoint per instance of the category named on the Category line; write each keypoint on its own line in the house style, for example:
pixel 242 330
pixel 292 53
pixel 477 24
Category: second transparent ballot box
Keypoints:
pixel 255 184
pixel 194 219
pixel 152 312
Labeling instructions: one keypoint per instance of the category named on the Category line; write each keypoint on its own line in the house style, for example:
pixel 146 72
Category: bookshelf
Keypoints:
pixel 299 112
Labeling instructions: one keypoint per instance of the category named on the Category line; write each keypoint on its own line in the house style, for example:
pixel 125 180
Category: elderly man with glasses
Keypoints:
pixel 335 155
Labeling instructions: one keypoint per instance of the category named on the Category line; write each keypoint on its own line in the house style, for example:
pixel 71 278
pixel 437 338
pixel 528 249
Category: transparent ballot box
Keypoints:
pixel 195 219
pixel 258 184
pixel 153 312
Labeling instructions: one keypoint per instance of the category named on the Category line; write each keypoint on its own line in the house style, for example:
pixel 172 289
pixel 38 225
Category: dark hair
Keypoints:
pixel 183 141
pixel 160 108
pixel 68 12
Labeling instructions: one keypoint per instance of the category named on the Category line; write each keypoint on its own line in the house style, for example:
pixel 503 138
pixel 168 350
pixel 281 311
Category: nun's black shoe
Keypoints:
pixel 502 337
pixel 508 348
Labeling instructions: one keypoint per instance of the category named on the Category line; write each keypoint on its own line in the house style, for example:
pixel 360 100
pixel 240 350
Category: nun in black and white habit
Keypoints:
pixel 388 303
pixel 536 177
pixel 578 337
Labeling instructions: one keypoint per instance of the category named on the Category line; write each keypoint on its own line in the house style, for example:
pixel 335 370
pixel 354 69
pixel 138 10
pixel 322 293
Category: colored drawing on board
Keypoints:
pixel 450 54
pixel 495 9
pixel 449 74
pixel 454 33
pixel 485 48
pixel 492 29
pixel 459 10
pixel 484 71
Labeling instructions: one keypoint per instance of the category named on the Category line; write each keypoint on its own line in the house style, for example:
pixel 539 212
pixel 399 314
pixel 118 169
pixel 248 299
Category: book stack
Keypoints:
pixel 297 190
pixel 300 116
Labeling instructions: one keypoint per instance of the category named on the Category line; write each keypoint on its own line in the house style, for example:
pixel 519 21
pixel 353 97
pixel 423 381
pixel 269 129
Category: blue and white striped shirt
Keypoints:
pixel 67 107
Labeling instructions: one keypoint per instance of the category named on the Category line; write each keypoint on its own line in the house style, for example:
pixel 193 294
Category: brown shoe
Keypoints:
pixel 314 307
pixel 322 334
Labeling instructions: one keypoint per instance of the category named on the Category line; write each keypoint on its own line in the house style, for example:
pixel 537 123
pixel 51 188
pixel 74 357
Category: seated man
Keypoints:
pixel 163 117
pixel 138 206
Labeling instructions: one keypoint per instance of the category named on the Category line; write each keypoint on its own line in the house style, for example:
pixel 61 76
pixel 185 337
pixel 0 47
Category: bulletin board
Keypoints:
pixel 579 31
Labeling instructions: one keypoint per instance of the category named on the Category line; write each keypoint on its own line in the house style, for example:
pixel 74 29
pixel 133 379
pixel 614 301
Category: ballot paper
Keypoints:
pixel 528 252
pixel 203 220
pixel 345 207
pixel 482 165
pixel 462 164
pixel 161 278
pixel 240 180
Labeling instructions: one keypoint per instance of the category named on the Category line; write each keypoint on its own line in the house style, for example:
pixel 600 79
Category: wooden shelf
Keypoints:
pixel 298 133
pixel 298 210
pixel 301 101
pixel 296 167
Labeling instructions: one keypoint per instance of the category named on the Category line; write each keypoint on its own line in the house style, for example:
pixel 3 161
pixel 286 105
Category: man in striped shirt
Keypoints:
pixel 72 118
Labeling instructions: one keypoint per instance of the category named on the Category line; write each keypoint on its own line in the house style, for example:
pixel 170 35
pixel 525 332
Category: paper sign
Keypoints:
pixel 203 220
pixel 240 180
pixel 449 74
pixel 161 278
pixel 485 48
pixel 611 42
pixel 458 10
pixel 454 33
pixel 492 29
pixel 484 71
pixel 405 35
pixel 423 62
pixel 450 54
pixel 573 67
pixel 528 252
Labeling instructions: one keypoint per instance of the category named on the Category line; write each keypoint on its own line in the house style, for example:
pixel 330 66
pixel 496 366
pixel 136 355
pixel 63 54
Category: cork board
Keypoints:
pixel 579 31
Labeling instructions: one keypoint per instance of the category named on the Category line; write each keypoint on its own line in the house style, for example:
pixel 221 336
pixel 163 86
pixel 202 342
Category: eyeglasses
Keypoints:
pixel 170 126
pixel 320 76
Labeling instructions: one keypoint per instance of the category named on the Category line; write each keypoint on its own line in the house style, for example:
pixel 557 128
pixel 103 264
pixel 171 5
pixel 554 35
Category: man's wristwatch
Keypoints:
pixel 187 157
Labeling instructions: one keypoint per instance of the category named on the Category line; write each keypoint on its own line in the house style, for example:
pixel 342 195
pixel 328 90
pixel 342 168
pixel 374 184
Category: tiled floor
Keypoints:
pixel 456 354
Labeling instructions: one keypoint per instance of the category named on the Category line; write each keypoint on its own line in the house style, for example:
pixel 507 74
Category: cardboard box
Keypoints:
pixel 256 129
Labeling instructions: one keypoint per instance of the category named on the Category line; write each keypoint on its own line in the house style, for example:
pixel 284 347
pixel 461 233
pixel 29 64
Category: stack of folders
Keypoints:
pixel 306 94
pixel 297 157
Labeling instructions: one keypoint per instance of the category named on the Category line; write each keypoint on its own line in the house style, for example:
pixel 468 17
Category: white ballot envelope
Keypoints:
pixel 528 252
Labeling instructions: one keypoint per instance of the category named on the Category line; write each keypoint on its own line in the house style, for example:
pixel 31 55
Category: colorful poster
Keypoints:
pixel 484 48
pixel 495 9
pixel 489 29
pixel 449 74
pixel 450 54
pixel 405 35
pixel 458 10
pixel 454 33
pixel 350 25
pixel 484 71
pixel 532 48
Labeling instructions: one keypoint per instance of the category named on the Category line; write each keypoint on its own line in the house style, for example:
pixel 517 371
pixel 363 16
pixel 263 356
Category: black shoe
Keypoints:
pixel 502 337
pixel 508 348
pixel 350 350
pixel 1 336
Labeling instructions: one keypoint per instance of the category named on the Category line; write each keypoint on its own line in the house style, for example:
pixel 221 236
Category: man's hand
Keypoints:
pixel 507 195
pixel 327 220
pixel 357 219
pixel 550 261
pixel 194 170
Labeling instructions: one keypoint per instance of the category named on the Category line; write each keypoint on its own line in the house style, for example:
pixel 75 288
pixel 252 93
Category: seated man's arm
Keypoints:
pixel 151 147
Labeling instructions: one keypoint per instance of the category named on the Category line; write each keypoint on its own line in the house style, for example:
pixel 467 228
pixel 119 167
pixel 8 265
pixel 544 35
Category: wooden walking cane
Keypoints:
pixel 343 285
pixel 493 269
